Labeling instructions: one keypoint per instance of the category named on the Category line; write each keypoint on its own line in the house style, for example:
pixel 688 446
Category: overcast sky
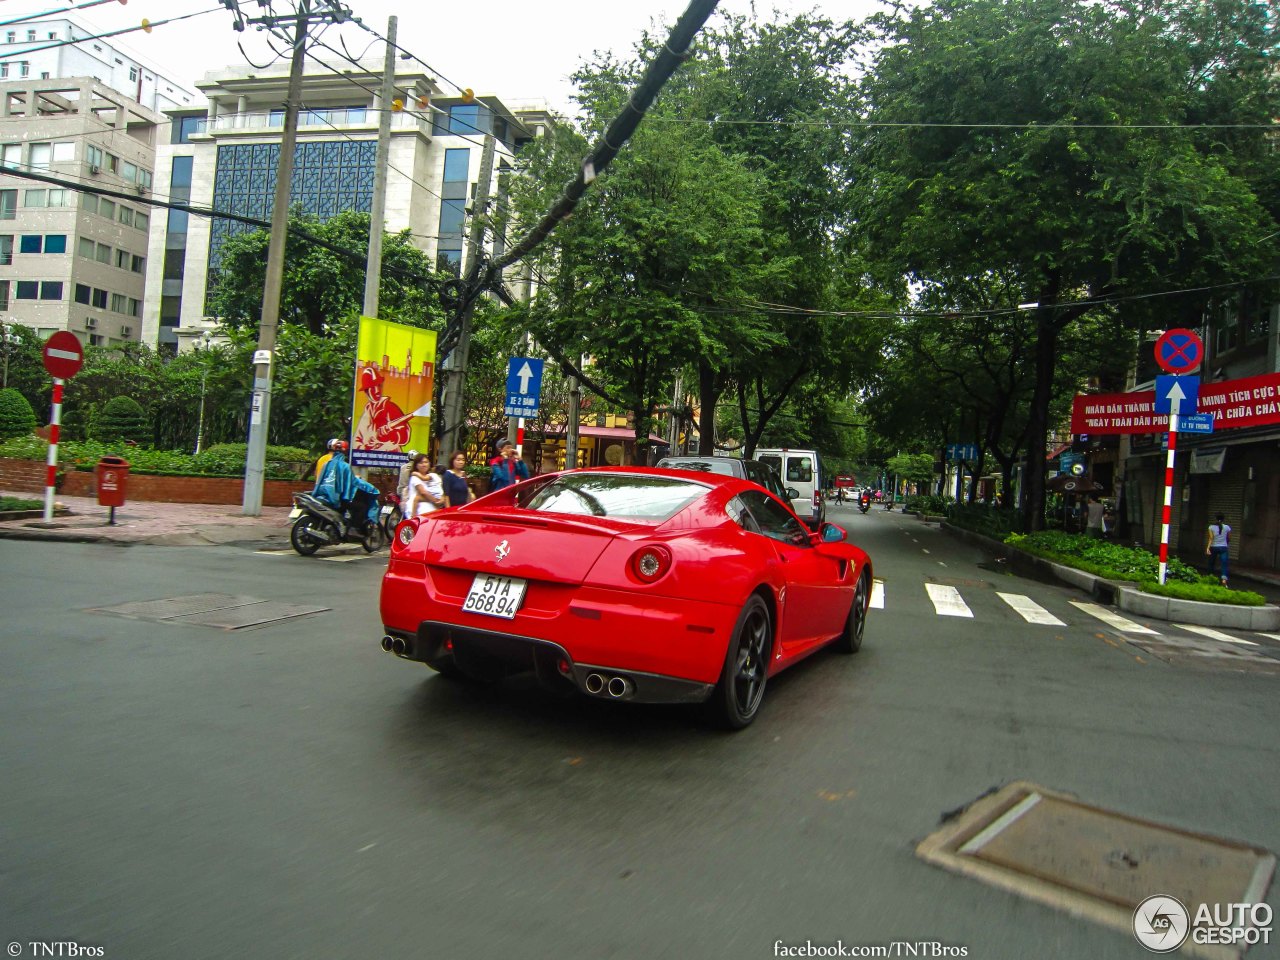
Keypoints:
pixel 518 49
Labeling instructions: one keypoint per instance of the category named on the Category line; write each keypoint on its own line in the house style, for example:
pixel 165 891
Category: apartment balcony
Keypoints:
pixel 342 119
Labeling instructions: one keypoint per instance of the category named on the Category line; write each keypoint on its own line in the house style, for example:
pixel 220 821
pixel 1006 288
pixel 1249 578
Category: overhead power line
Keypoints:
pixel 1028 126
pixel 146 25
pixel 55 13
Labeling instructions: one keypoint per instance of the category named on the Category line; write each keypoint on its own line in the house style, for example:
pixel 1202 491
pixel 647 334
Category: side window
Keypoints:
pixel 740 515
pixel 774 520
pixel 799 470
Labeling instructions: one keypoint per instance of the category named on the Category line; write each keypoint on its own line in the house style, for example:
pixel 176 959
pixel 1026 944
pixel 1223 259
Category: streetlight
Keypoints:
pixel 205 338
pixel 9 339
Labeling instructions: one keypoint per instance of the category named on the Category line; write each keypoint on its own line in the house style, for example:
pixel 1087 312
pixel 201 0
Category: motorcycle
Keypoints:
pixel 390 514
pixel 319 525
pixel 864 504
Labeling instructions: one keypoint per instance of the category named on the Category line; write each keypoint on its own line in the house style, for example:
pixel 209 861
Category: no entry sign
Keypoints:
pixel 1179 350
pixel 63 355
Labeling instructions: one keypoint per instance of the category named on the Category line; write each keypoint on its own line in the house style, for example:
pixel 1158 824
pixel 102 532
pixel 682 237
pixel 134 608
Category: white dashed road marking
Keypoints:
pixel 947 601
pixel 1112 619
pixel 1029 610
pixel 1213 634
pixel 877 594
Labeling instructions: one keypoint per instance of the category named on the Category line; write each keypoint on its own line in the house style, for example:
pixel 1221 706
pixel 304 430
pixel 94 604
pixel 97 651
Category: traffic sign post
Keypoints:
pixel 63 357
pixel 524 389
pixel 1178 351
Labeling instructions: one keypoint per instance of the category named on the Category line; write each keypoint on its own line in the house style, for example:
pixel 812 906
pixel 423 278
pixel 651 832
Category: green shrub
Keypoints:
pixel 18 503
pixel 1204 592
pixel 17 419
pixel 228 459
pixel 928 503
pixel 984 519
pixel 84 454
pixel 122 418
pixel 1109 560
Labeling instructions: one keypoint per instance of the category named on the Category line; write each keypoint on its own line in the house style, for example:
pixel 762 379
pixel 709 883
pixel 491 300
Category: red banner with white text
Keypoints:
pixel 1247 402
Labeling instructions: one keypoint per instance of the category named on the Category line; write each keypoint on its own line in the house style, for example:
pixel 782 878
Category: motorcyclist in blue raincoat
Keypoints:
pixel 340 488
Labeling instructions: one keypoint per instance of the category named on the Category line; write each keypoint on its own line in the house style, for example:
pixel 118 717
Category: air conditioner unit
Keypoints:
pixel 90 323
pixel 142 191
pixel 94 168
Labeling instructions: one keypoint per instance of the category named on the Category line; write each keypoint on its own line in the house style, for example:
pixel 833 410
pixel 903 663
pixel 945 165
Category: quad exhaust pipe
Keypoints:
pixel 618 688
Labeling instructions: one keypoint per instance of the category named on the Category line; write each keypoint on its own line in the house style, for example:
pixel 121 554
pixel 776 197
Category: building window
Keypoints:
pixel 184 127
pixel 10 37
pixel 55 243
pixel 107 208
pixel 4 71
pixel 11 155
pixel 53 34
pixel 449 261
pixel 24 68
pixel 27 290
pixel 30 243
pixel 94 155
pixel 40 155
pixel 85 247
pixel 103 253
pixel 135 307
pixel 95 340
pixel 31 35
pixel 51 290
pixel 100 298
pixel 122 259
pixel 82 293
pixel 451 216
pixel 119 303
pixel 133 74
pixel 141 222
pixel 180 177
pixel 89 202
pixel 139 264
pixel 6 250
pixel 125 215
pixel 64 152
pixel 457 166
pixel 8 204
pixel 4 294
pixel 129 171
pixel 44 74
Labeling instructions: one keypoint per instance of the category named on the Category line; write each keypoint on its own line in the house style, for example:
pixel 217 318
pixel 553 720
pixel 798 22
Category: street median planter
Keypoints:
pixel 1125 594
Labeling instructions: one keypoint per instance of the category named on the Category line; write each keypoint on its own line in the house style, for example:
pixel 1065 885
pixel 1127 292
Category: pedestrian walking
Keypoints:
pixel 1217 547
pixel 506 468
pixel 455 480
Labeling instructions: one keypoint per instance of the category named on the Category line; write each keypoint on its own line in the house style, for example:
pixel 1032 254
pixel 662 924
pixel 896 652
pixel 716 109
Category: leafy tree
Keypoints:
pixel 321 286
pixel 1053 142
pixel 17 419
pixel 122 418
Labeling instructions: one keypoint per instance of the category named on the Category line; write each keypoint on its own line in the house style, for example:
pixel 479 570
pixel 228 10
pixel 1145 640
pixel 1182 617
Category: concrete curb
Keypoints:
pixel 1126 595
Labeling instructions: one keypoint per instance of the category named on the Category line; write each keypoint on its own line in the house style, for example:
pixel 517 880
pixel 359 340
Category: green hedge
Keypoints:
pixel 985 519
pixel 928 503
pixel 18 503
pixel 1114 562
pixel 222 460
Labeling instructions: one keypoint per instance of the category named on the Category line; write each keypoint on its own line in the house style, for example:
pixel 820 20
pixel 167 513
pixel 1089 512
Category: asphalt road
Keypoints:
pixel 172 790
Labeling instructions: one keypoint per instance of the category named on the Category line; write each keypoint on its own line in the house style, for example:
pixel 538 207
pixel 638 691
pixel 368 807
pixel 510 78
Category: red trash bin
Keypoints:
pixel 113 483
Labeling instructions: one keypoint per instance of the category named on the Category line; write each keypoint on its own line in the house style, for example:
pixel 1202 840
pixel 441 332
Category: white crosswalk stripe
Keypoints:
pixel 1029 610
pixel 1112 619
pixel 1270 636
pixel 1213 634
pixel 877 594
pixel 947 601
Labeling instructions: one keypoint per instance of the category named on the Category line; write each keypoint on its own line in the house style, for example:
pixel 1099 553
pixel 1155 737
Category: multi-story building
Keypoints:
pixel 59 48
pixel 71 259
pixel 225 159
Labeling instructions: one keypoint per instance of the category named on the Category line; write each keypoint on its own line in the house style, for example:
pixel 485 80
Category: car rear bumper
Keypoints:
pixel 492 653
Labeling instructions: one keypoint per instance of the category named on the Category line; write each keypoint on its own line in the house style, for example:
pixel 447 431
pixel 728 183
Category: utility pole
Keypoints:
pixel 373 269
pixel 260 411
pixel 454 406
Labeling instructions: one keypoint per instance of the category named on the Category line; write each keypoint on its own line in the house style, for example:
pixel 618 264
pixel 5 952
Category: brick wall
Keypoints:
pixel 28 476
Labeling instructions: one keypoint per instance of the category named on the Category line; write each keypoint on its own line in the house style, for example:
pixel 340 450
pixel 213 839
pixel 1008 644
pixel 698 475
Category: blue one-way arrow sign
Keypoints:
pixel 1177 395
pixel 524 386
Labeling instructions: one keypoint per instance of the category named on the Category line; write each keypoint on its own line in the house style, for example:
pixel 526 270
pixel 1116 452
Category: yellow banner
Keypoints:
pixel 395 380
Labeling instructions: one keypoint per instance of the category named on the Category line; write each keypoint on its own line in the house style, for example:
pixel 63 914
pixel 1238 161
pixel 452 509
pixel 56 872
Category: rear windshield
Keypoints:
pixel 706 466
pixel 620 496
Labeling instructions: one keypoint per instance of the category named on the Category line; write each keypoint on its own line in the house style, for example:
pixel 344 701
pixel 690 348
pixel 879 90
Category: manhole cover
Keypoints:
pixel 212 610
pixel 1096 863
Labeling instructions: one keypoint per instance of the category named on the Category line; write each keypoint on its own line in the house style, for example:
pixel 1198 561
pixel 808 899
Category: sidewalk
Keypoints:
pixel 166 524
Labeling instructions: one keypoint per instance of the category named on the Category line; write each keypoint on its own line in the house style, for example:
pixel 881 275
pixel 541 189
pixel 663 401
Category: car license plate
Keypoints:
pixel 495 596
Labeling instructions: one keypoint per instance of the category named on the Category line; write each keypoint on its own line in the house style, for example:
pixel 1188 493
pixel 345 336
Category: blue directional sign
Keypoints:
pixel 1196 423
pixel 962 451
pixel 524 386
pixel 1184 390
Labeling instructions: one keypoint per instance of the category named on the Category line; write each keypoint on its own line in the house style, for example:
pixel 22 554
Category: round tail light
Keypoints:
pixel 405 532
pixel 651 563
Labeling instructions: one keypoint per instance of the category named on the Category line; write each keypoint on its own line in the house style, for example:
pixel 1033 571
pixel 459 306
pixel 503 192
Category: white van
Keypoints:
pixel 800 470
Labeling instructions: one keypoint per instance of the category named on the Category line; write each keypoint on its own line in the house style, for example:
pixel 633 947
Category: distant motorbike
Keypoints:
pixel 321 525
pixel 390 514
pixel 864 504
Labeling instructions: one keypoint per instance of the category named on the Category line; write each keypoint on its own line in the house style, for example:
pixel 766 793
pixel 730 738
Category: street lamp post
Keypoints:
pixel 204 383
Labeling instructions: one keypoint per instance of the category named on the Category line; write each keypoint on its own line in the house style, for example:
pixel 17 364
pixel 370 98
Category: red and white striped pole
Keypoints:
pixel 1168 487
pixel 51 468
pixel 520 438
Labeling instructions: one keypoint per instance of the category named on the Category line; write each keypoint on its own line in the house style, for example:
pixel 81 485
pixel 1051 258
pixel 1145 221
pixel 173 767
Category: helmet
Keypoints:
pixel 411 453
pixel 330 444
pixel 369 376
pixel 339 446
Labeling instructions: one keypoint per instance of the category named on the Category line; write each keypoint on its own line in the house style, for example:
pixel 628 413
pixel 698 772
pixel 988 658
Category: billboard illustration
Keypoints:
pixel 394 382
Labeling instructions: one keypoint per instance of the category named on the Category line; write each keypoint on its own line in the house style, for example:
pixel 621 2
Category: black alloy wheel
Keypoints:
pixel 851 640
pixel 737 698
pixel 300 535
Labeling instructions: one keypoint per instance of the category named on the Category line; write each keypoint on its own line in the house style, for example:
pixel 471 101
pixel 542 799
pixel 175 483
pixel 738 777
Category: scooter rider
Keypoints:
pixel 340 488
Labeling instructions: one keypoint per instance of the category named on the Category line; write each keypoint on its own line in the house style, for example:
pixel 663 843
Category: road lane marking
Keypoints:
pixel 1028 609
pixel 1214 634
pixel 877 594
pixel 926 551
pixel 947 601
pixel 1270 636
pixel 1112 619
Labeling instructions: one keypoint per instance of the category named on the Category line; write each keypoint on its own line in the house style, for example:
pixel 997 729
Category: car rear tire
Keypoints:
pixel 851 640
pixel 737 697
pixel 301 539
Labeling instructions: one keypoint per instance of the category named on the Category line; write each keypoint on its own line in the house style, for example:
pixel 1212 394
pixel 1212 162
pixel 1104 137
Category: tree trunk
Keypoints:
pixel 1037 432
pixel 709 389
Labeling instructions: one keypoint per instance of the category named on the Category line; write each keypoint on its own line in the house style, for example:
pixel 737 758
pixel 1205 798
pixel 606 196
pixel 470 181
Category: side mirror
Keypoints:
pixel 793 493
pixel 830 533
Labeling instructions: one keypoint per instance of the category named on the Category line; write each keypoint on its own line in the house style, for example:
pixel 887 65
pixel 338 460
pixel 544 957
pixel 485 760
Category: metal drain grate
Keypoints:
pixel 223 610
pixel 1094 863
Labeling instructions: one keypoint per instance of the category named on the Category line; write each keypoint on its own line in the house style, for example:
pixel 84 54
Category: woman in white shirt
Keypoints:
pixel 1217 546
pixel 426 491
